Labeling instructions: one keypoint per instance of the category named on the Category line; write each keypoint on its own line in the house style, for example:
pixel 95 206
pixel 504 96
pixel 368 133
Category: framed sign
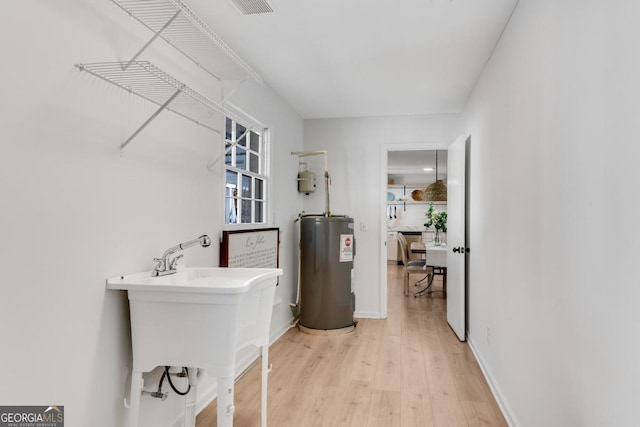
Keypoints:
pixel 257 248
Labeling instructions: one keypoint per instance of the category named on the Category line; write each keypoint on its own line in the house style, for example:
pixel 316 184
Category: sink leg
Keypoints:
pixel 225 402
pixel 137 383
pixel 263 393
pixel 190 407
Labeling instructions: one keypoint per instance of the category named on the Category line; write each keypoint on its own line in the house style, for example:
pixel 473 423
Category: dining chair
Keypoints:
pixel 403 241
pixel 421 262
pixel 411 267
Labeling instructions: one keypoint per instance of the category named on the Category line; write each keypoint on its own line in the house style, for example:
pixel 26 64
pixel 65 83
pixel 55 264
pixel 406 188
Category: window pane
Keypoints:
pixel 228 127
pixel 241 158
pixel 239 131
pixel 232 180
pixel 246 186
pixel 254 142
pixel 259 186
pixel 227 154
pixel 231 211
pixel 246 211
pixel 254 165
pixel 259 212
pixel 231 192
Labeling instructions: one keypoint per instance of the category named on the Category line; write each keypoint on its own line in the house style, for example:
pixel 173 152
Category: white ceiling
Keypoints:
pixel 413 163
pixel 356 58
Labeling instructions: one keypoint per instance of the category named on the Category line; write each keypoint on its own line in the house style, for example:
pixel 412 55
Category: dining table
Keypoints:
pixel 436 258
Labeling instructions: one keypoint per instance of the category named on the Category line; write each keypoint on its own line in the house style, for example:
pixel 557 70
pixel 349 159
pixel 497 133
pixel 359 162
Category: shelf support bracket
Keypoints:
pixel 155 36
pixel 153 116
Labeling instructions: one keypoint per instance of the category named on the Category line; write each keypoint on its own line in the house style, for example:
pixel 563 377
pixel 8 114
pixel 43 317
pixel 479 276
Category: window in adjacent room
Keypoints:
pixel 245 174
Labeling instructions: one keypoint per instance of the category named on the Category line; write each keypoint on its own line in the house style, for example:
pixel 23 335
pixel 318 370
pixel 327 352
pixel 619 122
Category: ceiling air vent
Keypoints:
pixel 251 7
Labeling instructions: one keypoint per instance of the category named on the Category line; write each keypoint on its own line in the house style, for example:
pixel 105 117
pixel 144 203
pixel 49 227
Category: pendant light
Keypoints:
pixel 436 192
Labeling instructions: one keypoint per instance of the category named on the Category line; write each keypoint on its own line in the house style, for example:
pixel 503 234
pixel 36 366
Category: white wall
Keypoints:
pixel 554 217
pixel 74 212
pixel 359 184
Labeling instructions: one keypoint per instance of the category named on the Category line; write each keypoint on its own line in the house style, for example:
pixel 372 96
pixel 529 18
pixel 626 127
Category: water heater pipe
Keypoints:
pixel 327 178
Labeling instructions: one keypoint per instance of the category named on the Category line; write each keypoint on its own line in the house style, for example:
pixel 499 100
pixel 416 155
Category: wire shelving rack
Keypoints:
pixel 153 84
pixel 173 21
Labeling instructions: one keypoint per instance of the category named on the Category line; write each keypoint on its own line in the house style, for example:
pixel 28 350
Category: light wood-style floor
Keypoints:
pixel 407 370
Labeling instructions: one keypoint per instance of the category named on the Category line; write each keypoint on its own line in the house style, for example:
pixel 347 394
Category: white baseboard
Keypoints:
pixel 507 412
pixel 280 332
pixel 368 315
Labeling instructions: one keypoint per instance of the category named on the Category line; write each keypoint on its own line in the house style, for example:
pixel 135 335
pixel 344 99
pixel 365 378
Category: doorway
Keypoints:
pixel 405 164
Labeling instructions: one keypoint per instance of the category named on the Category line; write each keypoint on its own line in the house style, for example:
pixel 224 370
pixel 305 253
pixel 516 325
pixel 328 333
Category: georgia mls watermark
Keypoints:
pixel 31 416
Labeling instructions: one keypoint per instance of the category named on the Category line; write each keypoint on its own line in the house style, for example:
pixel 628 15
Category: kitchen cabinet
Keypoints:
pixel 392 246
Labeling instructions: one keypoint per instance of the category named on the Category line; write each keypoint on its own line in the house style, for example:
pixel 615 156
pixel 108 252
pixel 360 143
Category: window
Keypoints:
pixel 245 174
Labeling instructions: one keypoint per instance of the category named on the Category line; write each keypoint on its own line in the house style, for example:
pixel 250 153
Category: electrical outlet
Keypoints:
pixel 488 335
pixel 363 226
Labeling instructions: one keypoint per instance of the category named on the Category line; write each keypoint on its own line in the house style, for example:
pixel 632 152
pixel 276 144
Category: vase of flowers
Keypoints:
pixel 437 220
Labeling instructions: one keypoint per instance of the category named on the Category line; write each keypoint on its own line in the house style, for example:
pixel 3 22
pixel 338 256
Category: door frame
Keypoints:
pixel 384 153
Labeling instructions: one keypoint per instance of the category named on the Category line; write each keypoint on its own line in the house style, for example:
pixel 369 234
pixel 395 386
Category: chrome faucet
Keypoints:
pixel 167 264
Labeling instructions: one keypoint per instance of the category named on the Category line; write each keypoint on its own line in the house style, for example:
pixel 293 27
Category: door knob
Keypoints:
pixel 457 250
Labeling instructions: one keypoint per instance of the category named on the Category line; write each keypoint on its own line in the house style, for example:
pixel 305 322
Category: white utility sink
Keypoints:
pixel 198 318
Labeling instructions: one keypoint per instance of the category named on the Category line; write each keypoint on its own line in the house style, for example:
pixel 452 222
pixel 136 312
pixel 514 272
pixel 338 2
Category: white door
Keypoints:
pixel 456 245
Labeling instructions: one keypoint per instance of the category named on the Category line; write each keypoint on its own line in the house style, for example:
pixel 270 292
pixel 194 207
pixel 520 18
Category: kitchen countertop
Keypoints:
pixel 407 228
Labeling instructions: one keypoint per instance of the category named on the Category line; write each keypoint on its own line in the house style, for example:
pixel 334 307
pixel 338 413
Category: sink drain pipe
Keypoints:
pixel 193 376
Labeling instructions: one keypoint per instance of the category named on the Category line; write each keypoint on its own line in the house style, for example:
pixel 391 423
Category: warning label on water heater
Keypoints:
pixel 346 247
